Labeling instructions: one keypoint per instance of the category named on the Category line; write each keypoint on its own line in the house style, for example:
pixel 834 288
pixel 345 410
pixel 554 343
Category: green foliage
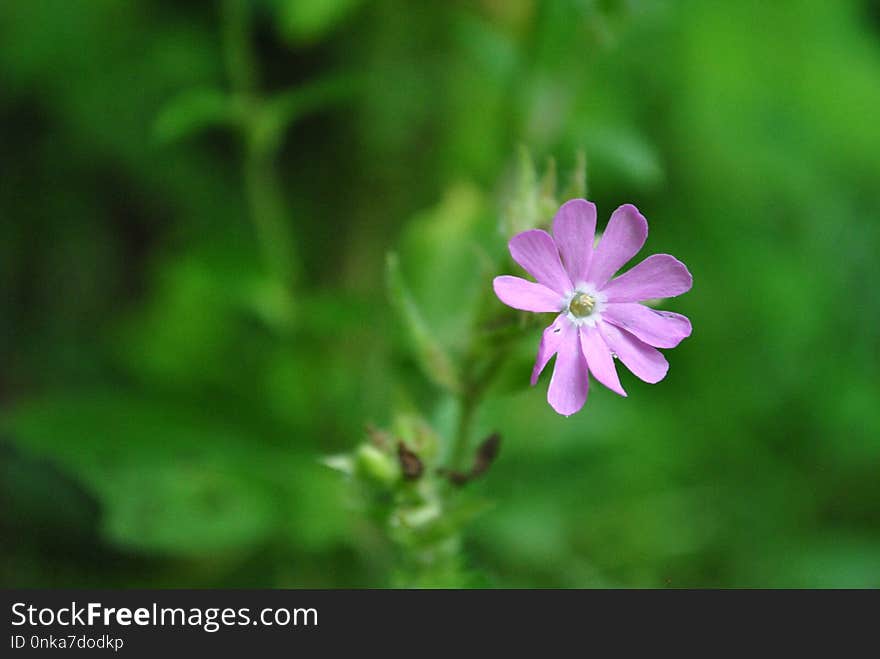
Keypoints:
pixel 197 110
pixel 532 202
pixel 304 21
pixel 171 479
pixel 197 306
pixel 433 359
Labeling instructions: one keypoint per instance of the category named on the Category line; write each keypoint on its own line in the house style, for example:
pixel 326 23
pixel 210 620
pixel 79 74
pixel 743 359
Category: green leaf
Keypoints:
pixel 441 524
pixel 448 255
pixel 195 111
pixel 170 478
pixel 304 21
pixel 284 109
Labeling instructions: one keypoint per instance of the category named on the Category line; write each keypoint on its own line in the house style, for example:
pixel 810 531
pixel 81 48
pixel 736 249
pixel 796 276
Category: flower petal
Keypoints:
pixel 658 276
pixel 536 252
pixel 661 329
pixel 568 386
pixel 523 294
pixel 574 228
pixel 549 345
pixel 599 360
pixel 645 362
pixel 623 238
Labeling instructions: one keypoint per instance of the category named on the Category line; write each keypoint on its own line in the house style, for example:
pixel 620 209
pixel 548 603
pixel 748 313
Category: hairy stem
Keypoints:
pixel 484 358
pixel 467 410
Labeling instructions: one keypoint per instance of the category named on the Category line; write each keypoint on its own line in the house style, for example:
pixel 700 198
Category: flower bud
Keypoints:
pixel 374 465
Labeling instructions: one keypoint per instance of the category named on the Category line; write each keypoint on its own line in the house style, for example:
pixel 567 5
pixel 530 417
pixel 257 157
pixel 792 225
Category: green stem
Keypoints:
pixel 467 409
pixel 482 363
pixel 241 64
pixel 264 198
pixel 268 214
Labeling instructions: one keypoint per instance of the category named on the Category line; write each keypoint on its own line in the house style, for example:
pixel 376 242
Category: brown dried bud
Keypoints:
pixel 410 463
pixel 486 454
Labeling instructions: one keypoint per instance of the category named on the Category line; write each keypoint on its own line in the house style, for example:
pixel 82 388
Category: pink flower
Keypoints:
pixel 599 316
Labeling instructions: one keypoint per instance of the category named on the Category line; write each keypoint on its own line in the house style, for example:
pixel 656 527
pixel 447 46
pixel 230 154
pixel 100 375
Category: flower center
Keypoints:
pixel 581 305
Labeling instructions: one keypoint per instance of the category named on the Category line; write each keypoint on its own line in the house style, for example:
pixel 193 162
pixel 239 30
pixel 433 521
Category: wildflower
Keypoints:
pixel 599 315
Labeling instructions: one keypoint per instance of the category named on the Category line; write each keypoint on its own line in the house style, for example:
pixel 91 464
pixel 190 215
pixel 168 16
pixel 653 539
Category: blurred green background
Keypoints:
pixel 196 201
